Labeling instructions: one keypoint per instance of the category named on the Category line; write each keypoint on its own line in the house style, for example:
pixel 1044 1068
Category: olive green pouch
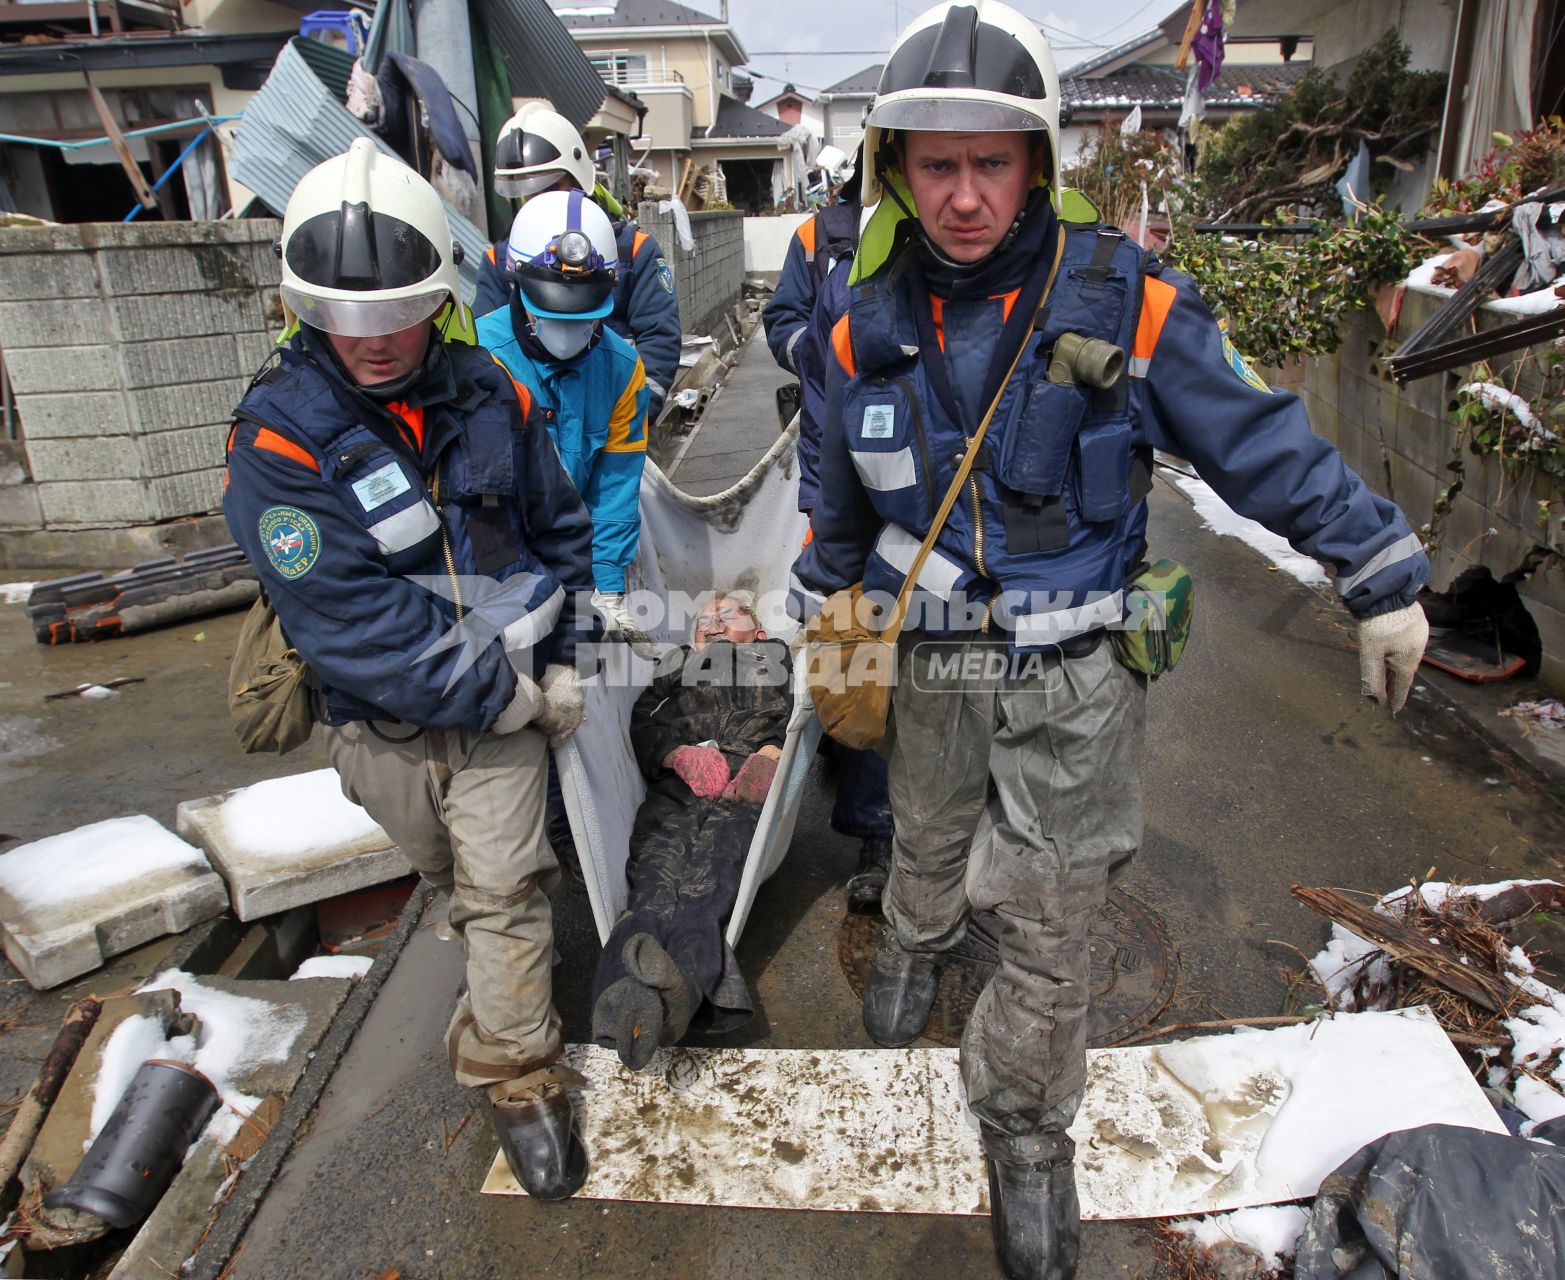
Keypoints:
pixel 1159 608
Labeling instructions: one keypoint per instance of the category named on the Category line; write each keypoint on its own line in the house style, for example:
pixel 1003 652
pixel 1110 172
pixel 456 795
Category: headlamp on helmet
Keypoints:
pixel 562 257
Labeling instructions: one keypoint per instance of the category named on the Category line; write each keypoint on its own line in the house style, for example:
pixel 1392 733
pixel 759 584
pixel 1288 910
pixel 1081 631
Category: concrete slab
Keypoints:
pixel 290 841
pixel 69 902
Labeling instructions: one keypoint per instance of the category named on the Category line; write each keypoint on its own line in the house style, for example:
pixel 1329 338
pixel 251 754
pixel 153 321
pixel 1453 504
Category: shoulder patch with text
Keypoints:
pixel 292 540
pixel 1241 366
pixel 665 275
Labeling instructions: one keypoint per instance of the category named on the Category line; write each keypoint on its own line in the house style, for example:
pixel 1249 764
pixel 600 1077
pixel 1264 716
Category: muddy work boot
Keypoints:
pixel 899 994
pixel 868 880
pixel 651 1006
pixel 1032 1200
pixel 536 1128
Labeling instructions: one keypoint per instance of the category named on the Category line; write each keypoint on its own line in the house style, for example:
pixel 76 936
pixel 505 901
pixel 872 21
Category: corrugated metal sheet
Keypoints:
pixel 541 58
pixel 293 124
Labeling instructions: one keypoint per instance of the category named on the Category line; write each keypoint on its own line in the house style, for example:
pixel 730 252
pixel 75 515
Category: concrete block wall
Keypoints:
pixel 128 347
pixel 1400 439
pixel 708 278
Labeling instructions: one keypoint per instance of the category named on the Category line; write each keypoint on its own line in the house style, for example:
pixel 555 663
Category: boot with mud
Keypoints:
pixel 536 1128
pixel 868 881
pixel 1032 1199
pixel 899 993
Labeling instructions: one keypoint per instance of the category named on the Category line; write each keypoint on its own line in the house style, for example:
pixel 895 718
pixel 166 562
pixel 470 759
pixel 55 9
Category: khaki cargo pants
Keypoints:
pixel 1017 791
pixel 467 811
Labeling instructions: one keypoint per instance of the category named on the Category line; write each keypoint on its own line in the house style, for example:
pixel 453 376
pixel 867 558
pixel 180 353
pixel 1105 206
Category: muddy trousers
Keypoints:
pixel 467 811
pixel 1016 787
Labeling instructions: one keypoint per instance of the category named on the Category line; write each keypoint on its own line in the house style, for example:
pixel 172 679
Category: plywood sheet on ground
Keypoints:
pixel 1223 1122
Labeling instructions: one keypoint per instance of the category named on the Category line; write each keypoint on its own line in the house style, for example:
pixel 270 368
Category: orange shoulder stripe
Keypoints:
pixel 269 440
pixel 636 241
pixel 842 344
pixel 1156 300
pixel 490 254
pixel 522 393
pixel 806 234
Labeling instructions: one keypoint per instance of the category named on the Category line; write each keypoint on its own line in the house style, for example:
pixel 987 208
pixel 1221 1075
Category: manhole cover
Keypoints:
pixel 1134 969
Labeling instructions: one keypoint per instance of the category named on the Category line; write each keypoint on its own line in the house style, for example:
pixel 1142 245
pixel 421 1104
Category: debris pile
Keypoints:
pixel 1450 947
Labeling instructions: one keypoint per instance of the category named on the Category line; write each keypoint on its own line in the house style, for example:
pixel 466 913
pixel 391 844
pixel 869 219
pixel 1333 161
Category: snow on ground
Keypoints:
pixel 1538 1030
pixel 93 692
pixel 236 1034
pixel 285 818
pixel 1272 1231
pixel 93 860
pixel 15 592
pixel 333 967
pixel 1219 517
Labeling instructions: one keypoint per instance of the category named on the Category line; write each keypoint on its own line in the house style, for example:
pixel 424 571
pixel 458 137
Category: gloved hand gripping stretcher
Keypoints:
pixel 744 538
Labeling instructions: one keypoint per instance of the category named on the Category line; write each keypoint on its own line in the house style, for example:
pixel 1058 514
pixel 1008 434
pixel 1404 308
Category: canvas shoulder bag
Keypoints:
pixel 270 689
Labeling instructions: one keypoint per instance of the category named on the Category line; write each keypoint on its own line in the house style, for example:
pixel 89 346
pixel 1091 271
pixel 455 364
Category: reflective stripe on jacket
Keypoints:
pixel 1054 515
pixel 366 528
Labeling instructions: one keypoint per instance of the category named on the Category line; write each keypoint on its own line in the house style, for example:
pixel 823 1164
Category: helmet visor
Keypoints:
pixel 526 185
pixel 363 317
pixel 953 114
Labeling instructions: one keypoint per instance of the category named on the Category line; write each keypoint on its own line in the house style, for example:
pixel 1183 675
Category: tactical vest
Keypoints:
pixel 1054 514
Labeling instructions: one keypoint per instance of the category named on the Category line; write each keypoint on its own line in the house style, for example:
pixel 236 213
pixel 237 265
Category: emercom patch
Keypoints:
pixel 292 540
pixel 1241 366
pixel 665 276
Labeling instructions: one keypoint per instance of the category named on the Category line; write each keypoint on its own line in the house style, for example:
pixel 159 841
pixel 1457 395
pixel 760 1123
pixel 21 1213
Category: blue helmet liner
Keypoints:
pixel 570 279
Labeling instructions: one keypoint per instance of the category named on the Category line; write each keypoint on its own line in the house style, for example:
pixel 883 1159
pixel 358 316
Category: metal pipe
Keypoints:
pixel 169 172
pixel 148 132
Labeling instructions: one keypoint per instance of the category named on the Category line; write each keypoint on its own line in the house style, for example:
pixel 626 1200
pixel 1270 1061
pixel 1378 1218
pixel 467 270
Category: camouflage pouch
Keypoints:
pixel 1159 608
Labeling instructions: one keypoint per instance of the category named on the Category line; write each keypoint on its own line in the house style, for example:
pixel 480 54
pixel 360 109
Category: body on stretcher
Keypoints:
pixel 745 538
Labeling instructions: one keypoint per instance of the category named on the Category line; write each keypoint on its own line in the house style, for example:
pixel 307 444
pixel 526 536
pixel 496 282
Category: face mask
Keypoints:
pixel 563 339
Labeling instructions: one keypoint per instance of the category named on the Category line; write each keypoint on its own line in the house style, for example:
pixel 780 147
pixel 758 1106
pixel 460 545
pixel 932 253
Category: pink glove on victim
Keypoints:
pixel 753 781
pixel 704 770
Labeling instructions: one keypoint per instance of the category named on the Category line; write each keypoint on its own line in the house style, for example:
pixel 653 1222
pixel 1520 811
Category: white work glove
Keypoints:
pixel 523 708
pixel 1396 641
pixel 616 617
pixel 564 707
pixel 612 609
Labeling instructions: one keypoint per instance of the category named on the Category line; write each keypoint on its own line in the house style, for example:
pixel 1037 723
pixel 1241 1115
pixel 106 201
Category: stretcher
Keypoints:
pixel 745 538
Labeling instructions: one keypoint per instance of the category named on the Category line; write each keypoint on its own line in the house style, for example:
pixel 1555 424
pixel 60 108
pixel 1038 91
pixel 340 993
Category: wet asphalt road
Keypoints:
pixel 1264 770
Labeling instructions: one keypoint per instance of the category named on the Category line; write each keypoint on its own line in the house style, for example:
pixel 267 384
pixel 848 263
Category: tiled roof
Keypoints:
pixel 581 15
pixel 1150 86
pixel 865 81
pixel 737 120
pixel 1154 36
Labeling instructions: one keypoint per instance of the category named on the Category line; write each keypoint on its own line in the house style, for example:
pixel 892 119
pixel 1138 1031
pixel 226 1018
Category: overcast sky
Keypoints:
pixel 784 38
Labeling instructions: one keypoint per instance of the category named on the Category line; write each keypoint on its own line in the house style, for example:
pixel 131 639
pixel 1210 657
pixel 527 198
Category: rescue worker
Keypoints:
pixel 410 521
pixel 1020 792
pixel 820 251
pixel 586 380
pixel 539 150
pixel 708 733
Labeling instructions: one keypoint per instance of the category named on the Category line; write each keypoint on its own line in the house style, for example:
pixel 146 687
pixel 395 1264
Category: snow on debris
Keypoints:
pixel 236 1034
pixel 1222 519
pixel 285 818
pixel 1271 1231
pixel 1537 1055
pixel 92 861
pixel 333 967
pixel 15 592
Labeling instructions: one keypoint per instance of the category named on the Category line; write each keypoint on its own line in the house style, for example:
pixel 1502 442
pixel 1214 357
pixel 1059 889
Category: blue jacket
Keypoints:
pixel 819 243
pixel 367 523
pixel 595 406
pixel 646 306
pixel 1053 519
pixel 831 304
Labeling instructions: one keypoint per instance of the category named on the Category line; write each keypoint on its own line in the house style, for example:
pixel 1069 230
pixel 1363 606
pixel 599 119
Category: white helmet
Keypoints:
pixel 966 66
pixel 563 257
pixel 535 148
pixel 366 248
